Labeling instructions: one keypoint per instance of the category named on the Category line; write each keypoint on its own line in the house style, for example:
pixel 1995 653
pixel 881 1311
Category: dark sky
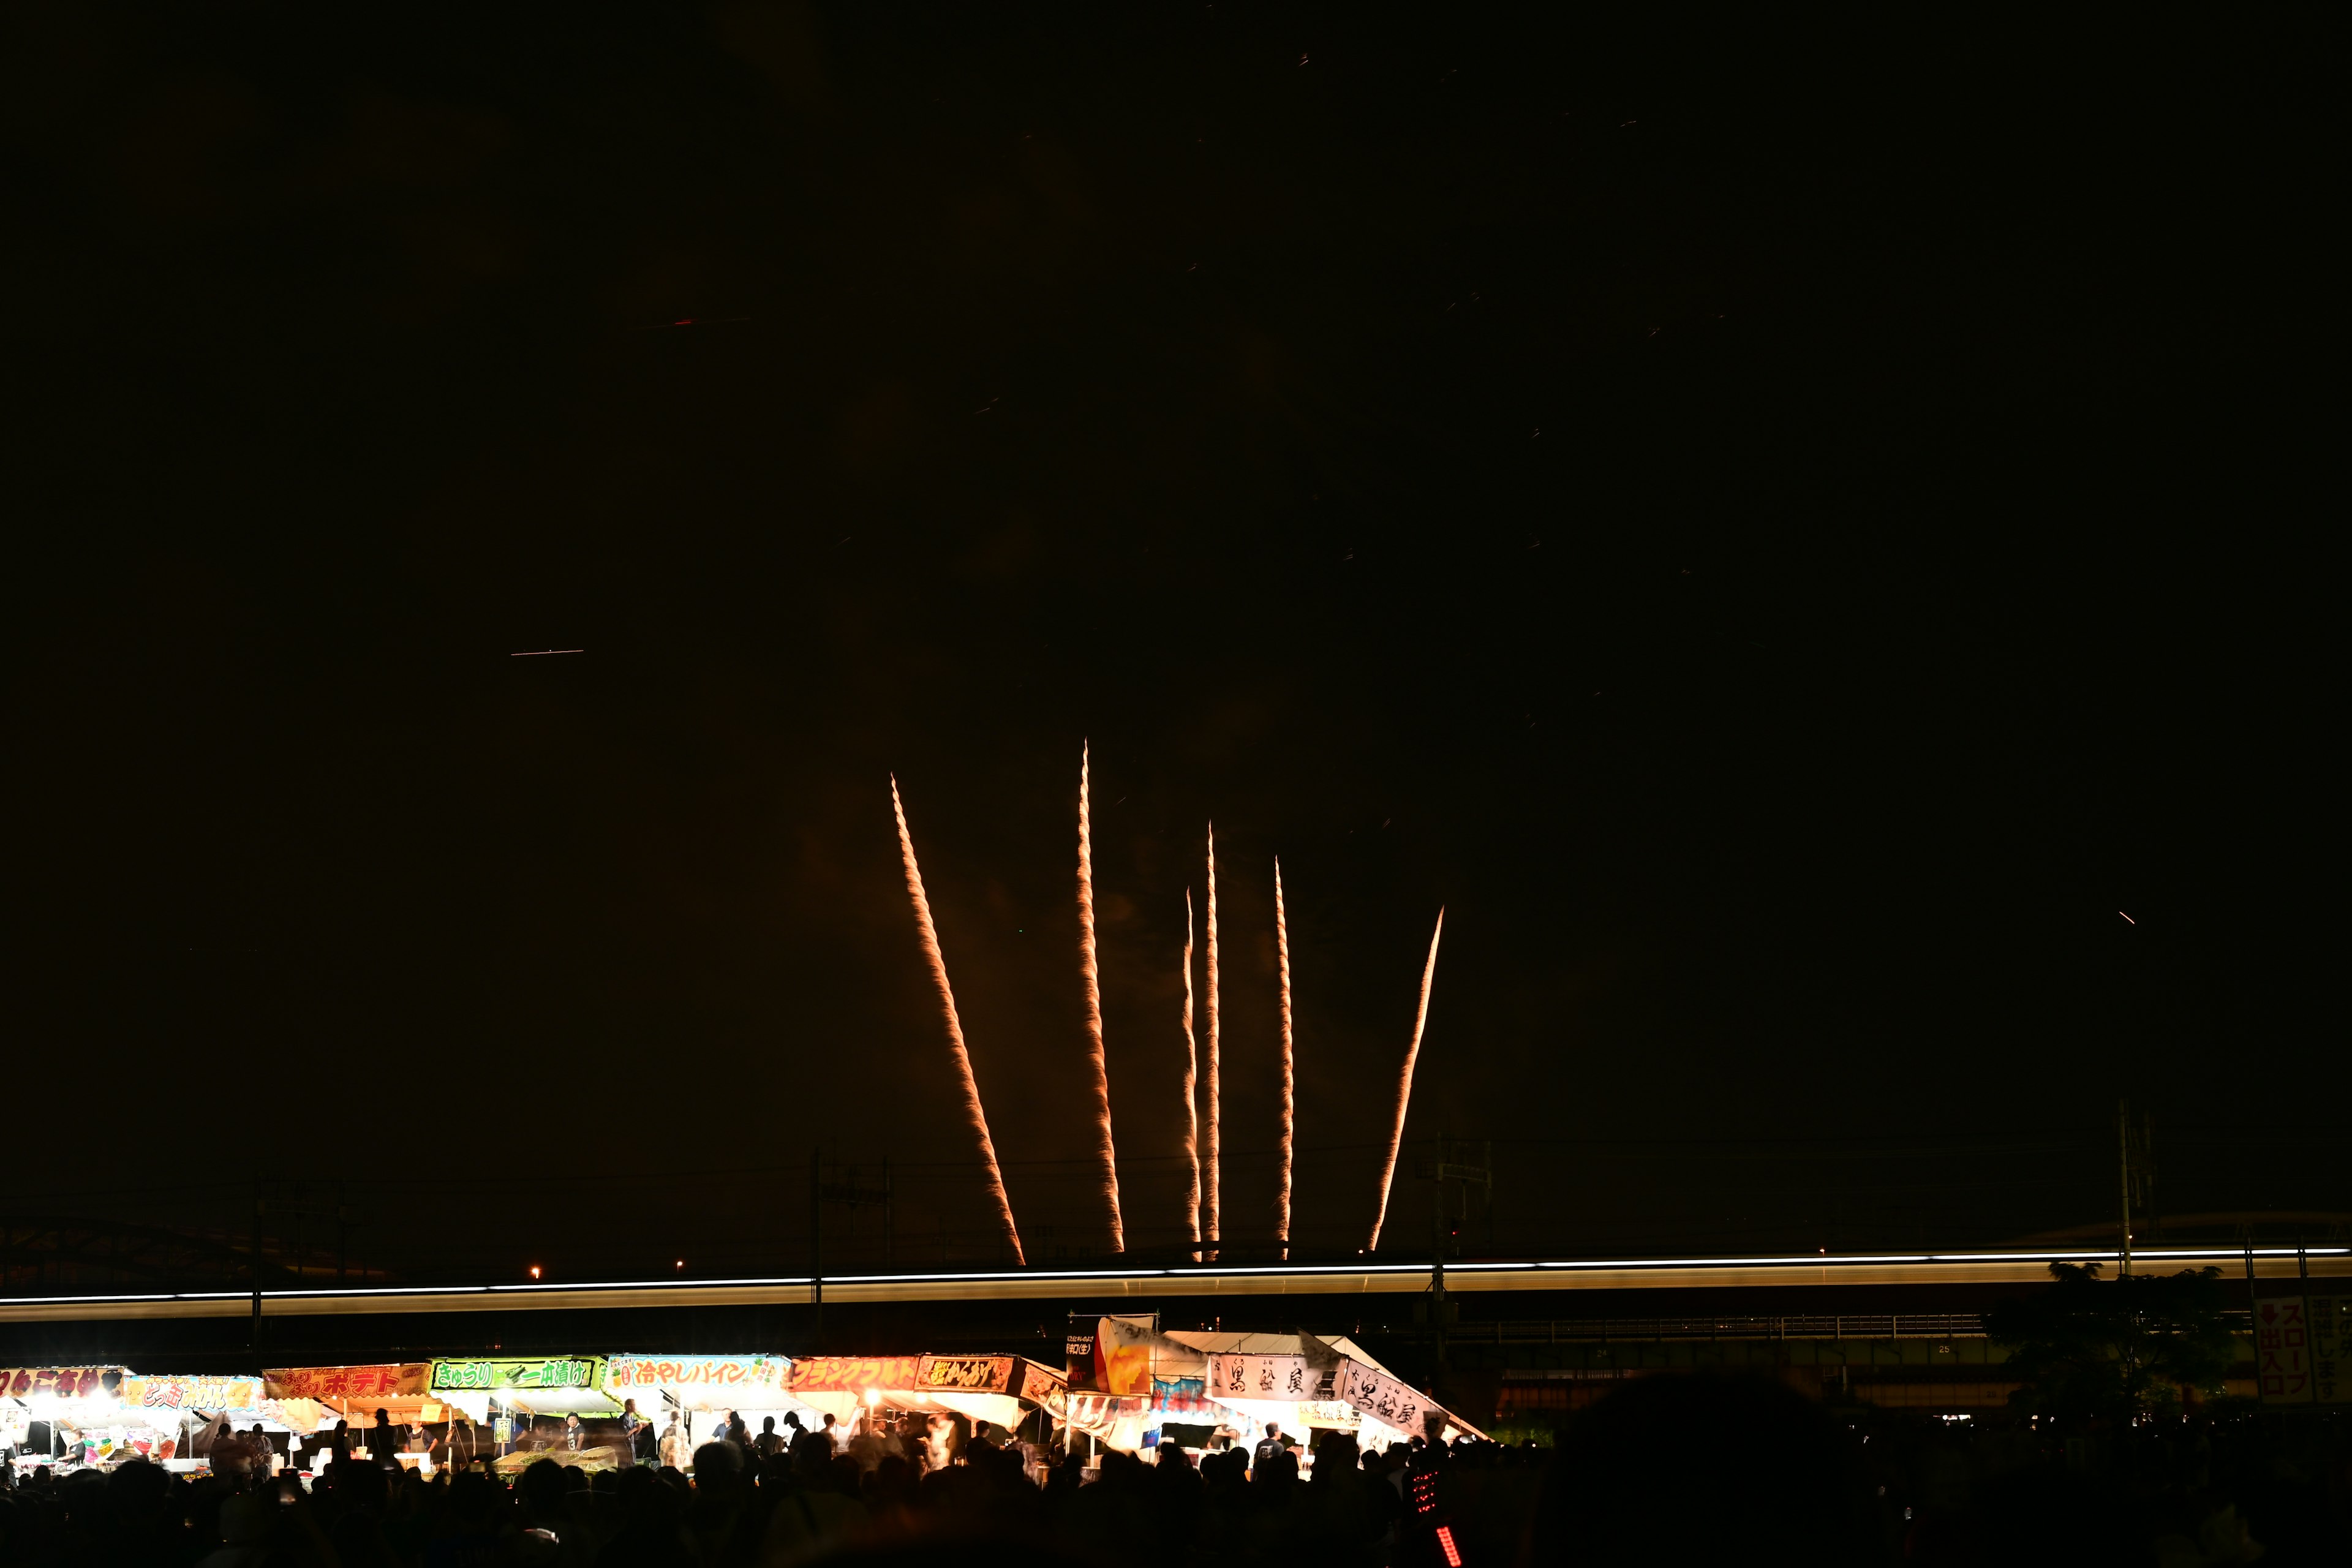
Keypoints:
pixel 1782 539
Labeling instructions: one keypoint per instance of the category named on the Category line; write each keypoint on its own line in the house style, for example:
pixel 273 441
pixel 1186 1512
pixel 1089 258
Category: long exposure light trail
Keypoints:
pixel 966 1085
pixel 1086 959
pixel 1282 961
pixel 1404 1085
pixel 1210 1173
pixel 1192 1109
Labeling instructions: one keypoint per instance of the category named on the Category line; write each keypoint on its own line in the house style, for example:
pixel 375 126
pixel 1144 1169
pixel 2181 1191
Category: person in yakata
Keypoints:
pixel 675 1453
pixel 1269 1446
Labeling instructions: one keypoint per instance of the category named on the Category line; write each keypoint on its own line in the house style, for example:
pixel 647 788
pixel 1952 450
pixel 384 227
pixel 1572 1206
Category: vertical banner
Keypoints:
pixel 2330 1304
pixel 2283 1344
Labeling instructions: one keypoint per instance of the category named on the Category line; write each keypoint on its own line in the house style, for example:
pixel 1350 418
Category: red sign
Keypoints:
pixel 2283 1350
pixel 345 1384
pixel 856 1374
pixel 63 1382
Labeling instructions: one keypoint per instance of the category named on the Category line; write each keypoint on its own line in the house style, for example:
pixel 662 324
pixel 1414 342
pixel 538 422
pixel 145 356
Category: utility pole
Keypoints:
pixel 2123 1150
pixel 254 1258
pixel 1453 1164
pixel 816 1246
pixel 820 1193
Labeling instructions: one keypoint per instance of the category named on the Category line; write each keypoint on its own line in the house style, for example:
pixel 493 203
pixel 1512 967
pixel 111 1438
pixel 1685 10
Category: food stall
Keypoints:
pixel 1192 1386
pixel 524 1401
pixel 703 1388
pixel 312 1399
pixel 74 1417
pixel 1002 1390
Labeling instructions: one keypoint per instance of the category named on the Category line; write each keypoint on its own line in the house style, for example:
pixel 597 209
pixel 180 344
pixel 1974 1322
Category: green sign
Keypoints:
pixel 543 1372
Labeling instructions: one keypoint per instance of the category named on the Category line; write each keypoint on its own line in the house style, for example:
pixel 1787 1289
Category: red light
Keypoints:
pixel 1445 1543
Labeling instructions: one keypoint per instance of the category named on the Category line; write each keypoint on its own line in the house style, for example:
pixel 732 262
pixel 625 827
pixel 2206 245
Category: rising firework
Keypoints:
pixel 1094 1009
pixel 1192 1067
pixel 1404 1087
pixel 1210 1195
pixel 1282 958
pixel 965 1082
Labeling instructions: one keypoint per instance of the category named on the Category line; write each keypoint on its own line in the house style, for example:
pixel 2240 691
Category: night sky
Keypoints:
pixel 1783 540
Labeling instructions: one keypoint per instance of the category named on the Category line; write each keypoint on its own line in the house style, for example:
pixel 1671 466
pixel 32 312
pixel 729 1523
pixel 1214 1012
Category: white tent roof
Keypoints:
pixel 1268 1344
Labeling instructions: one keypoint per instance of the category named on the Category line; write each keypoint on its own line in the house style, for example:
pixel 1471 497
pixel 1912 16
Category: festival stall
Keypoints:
pixel 1000 1390
pixel 1194 1388
pixel 71 1417
pixel 312 1399
pixel 524 1401
pixel 703 1388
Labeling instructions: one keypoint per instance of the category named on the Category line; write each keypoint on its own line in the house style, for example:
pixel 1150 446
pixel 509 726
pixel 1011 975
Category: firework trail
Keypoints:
pixel 1093 1006
pixel 964 1079
pixel 1282 957
pixel 1211 1193
pixel 1192 1067
pixel 1404 1088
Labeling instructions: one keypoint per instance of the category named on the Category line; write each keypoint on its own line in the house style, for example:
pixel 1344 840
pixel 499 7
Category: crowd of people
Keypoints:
pixel 1669 1470
pixel 774 1498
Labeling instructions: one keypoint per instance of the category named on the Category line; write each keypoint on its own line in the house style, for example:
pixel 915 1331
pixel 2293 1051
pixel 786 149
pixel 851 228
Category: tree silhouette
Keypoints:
pixel 2116 1347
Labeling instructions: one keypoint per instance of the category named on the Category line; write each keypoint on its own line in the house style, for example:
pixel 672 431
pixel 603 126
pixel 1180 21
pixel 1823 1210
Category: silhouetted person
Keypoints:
pixel 384 1442
pixel 1701 1469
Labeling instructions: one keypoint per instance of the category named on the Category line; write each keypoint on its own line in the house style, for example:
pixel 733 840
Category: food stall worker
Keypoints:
pixel 571 1433
pixel 673 1444
pixel 459 1444
pixel 631 1423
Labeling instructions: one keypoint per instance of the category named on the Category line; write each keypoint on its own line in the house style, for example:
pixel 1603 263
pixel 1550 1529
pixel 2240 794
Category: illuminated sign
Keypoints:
pixel 743 1372
pixel 535 1373
pixel 856 1374
pixel 61 1382
pixel 341 1385
pixel 193 1393
pixel 967 1373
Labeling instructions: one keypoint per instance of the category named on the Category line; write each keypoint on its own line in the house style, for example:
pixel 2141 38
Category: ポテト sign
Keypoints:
pixel 344 1385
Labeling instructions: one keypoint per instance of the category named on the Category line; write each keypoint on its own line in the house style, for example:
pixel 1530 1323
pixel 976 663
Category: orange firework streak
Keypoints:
pixel 1094 1008
pixel 964 1081
pixel 1210 1175
pixel 1404 1088
pixel 1282 957
pixel 1192 1067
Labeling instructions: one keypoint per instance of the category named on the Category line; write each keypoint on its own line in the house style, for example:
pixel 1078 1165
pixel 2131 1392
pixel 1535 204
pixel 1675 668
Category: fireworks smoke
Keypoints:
pixel 964 1081
pixel 1404 1087
pixel 1282 957
pixel 1210 1193
pixel 1192 1067
pixel 1094 1009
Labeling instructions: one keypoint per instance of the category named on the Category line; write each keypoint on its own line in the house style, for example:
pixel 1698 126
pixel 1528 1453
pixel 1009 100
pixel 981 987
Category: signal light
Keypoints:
pixel 1445 1544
